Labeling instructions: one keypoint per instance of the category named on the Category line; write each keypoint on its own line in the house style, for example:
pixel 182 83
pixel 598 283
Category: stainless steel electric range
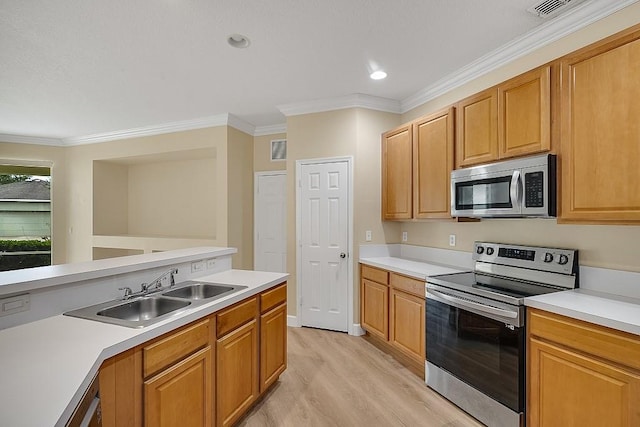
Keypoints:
pixel 475 326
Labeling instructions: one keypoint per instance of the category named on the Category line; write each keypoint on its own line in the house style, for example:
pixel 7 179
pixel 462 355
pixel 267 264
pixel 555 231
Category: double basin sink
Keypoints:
pixel 146 310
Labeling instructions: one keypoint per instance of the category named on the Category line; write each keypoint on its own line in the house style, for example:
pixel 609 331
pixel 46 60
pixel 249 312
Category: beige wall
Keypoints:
pixel 56 156
pixel 602 246
pixel 262 153
pixel 349 132
pixel 240 197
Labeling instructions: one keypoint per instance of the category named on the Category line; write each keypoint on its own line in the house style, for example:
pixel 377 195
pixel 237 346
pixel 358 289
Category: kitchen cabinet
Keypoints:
pixel 209 372
pixel 273 335
pixel 417 160
pixel 600 106
pixel 392 312
pixel 509 120
pixel 374 301
pixel 397 173
pixel 580 374
pixel 237 378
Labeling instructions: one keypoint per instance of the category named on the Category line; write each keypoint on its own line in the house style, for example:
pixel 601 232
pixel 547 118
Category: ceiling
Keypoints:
pixel 74 68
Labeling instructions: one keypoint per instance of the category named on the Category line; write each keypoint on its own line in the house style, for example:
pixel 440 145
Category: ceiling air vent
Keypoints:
pixel 549 8
pixel 278 149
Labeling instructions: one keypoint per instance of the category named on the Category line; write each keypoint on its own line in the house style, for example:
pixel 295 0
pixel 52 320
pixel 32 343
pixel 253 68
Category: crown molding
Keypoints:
pixel 270 129
pixel 356 100
pixel 26 139
pixel 237 123
pixel 581 16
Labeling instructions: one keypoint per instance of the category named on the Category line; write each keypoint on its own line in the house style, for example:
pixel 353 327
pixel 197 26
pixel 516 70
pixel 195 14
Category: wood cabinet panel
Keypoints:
pixel 273 345
pixel 237 374
pixel 273 297
pixel 524 114
pixel 406 327
pixel 600 106
pixel 375 274
pixel 407 284
pixel 166 351
pixel 121 389
pixel 433 140
pixel 374 308
pixel 397 174
pixel 570 389
pixel 477 129
pixel 236 315
pixel 181 395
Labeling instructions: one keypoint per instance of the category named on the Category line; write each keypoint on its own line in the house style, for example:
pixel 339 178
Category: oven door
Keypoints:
pixel 485 353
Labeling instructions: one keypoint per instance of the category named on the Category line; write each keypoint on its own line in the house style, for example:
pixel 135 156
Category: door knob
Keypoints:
pixel 343 255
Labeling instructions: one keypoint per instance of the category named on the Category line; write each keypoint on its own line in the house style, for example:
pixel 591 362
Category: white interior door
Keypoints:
pixel 270 220
pixel 324 244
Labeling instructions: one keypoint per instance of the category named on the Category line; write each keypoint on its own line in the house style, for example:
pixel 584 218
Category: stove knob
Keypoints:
pixel 548 257
pixel 489 250
pixel 480 250
pixel 563 260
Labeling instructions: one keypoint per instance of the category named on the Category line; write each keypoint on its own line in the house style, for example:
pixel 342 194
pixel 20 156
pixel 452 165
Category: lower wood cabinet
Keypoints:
pixel 392 312
pixel 580 374
pixel 209 372
pixel 181 394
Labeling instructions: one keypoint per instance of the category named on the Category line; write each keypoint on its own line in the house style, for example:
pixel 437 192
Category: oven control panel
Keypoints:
pixel 554 260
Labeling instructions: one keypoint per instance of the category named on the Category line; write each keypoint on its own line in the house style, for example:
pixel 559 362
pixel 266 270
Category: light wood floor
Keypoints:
pixel 334 379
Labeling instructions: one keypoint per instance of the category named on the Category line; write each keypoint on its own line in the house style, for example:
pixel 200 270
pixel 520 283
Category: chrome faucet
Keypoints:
pixel 155 285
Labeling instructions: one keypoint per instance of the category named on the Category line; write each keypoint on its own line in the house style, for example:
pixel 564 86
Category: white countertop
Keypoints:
pixel 45 366
pixel 417 269
pixel 622 313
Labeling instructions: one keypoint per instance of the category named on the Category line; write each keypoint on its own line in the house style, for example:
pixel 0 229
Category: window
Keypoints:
pixel 25 216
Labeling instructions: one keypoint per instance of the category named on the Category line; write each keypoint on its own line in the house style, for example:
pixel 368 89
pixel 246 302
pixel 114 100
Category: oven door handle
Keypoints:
pixel 439 296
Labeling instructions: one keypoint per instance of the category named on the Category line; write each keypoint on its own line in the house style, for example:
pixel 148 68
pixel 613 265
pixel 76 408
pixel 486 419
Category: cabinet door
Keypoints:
pixel 396 174
pixel 476 129
pixel 600 106
pixel 406 329
pixel 181 394
pixel 567 388
pixel 524 114
pixel 432 165
pixel 273 345
pixel 236 373
pixel 374 308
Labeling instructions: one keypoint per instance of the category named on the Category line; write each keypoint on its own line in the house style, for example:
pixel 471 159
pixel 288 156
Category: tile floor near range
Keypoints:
pixel 334 379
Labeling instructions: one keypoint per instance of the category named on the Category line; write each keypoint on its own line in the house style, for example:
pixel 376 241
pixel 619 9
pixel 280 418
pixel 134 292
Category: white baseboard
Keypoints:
pixel 293 321
pixel 357 330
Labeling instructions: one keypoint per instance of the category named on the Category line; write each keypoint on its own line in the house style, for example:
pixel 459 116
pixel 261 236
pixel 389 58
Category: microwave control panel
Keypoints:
pixel 534 189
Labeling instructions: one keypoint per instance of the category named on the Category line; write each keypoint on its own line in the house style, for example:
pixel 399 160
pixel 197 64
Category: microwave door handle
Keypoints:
pixel 514 189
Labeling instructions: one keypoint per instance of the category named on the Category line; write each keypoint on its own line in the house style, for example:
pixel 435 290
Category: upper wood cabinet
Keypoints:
pixel 396 173
pixel 600 132
pixel 417 160
pixel 432 165
pixel 512 119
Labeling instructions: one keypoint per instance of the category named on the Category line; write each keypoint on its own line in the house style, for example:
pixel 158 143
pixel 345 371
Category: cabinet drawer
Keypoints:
pixel 273 297
pixel 616 346
pixel 167 351
pixel 375 274
pixel 407 284
pixel 235 316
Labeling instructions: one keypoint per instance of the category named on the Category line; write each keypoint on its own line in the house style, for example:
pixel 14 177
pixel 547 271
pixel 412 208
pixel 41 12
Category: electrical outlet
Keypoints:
pixel 368 235
pixel 452 239
pixel 211 263
pixel 197 266
pixel 404 236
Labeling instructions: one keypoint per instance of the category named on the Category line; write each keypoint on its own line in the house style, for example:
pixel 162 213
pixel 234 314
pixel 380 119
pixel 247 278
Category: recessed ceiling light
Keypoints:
pixel 239 41
pixel 378 75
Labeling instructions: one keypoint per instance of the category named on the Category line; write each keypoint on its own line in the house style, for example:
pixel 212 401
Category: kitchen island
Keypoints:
pixel 47 364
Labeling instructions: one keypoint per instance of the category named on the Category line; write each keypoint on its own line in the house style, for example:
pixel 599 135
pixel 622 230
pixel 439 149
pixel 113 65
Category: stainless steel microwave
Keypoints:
pixel 514 188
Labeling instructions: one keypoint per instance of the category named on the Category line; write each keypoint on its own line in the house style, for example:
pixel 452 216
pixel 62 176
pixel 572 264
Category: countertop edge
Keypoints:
pixel 377 262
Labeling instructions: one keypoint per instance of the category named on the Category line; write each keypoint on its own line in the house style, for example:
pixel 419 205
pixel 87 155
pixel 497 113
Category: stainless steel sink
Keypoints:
pixel 202 291
pixel 146 310
pixel 143 309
